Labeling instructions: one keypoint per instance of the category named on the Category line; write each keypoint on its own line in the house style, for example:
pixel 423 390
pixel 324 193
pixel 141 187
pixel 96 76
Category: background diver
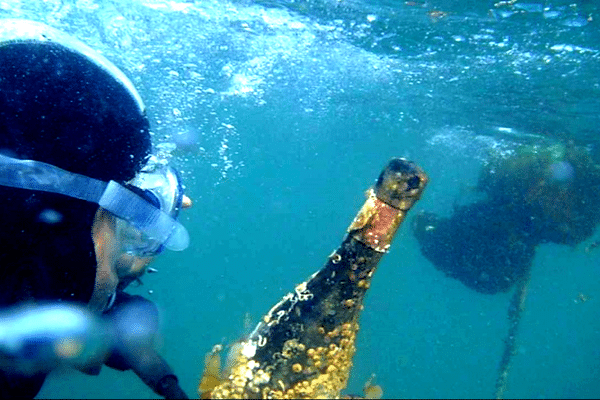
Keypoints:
pixel 539 194
pixel 85 208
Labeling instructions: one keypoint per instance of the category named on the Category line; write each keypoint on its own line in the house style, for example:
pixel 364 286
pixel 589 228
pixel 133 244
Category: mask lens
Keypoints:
pixel 163 184
pixel 160 187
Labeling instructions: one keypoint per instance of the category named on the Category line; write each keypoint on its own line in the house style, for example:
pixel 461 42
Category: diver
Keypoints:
pixel 85 209
pixel 539 194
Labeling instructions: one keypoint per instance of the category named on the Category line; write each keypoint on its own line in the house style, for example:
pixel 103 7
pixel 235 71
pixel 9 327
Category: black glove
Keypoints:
pixel 168 387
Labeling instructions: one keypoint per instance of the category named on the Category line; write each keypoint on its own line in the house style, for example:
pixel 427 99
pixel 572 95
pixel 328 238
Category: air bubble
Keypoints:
pixel 50 216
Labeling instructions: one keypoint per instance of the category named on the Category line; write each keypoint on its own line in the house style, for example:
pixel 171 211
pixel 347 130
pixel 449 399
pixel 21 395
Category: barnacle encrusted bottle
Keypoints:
pixel 304 345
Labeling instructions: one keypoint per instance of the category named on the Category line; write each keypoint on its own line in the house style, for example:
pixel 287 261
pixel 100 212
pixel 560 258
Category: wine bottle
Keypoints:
pixel 304 345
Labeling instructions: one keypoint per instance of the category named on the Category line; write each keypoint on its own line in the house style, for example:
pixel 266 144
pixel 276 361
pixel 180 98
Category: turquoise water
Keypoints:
pixel 282 114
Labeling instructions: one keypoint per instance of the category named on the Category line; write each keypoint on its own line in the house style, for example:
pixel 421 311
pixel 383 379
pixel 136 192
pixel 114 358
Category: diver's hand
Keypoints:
pixel 169 388
pixel 39 338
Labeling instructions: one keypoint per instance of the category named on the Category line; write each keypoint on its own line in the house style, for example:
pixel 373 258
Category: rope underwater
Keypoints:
pixel 515 311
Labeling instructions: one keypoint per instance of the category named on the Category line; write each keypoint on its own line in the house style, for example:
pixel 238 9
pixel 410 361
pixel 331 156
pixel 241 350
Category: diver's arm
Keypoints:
pixel 156 373
pixel 135 322
pixel 152 369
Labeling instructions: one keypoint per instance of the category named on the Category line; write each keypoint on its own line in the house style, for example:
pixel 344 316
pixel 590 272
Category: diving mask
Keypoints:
pixel 160 185
pixel 147 207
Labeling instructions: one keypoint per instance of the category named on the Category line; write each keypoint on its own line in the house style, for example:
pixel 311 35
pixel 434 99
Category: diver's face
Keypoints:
pixel 114 268
pixel 106 249
pixel 129 268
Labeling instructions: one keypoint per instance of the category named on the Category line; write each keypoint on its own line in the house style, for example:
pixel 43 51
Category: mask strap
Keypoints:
pixel 155 223
pixel 37 175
